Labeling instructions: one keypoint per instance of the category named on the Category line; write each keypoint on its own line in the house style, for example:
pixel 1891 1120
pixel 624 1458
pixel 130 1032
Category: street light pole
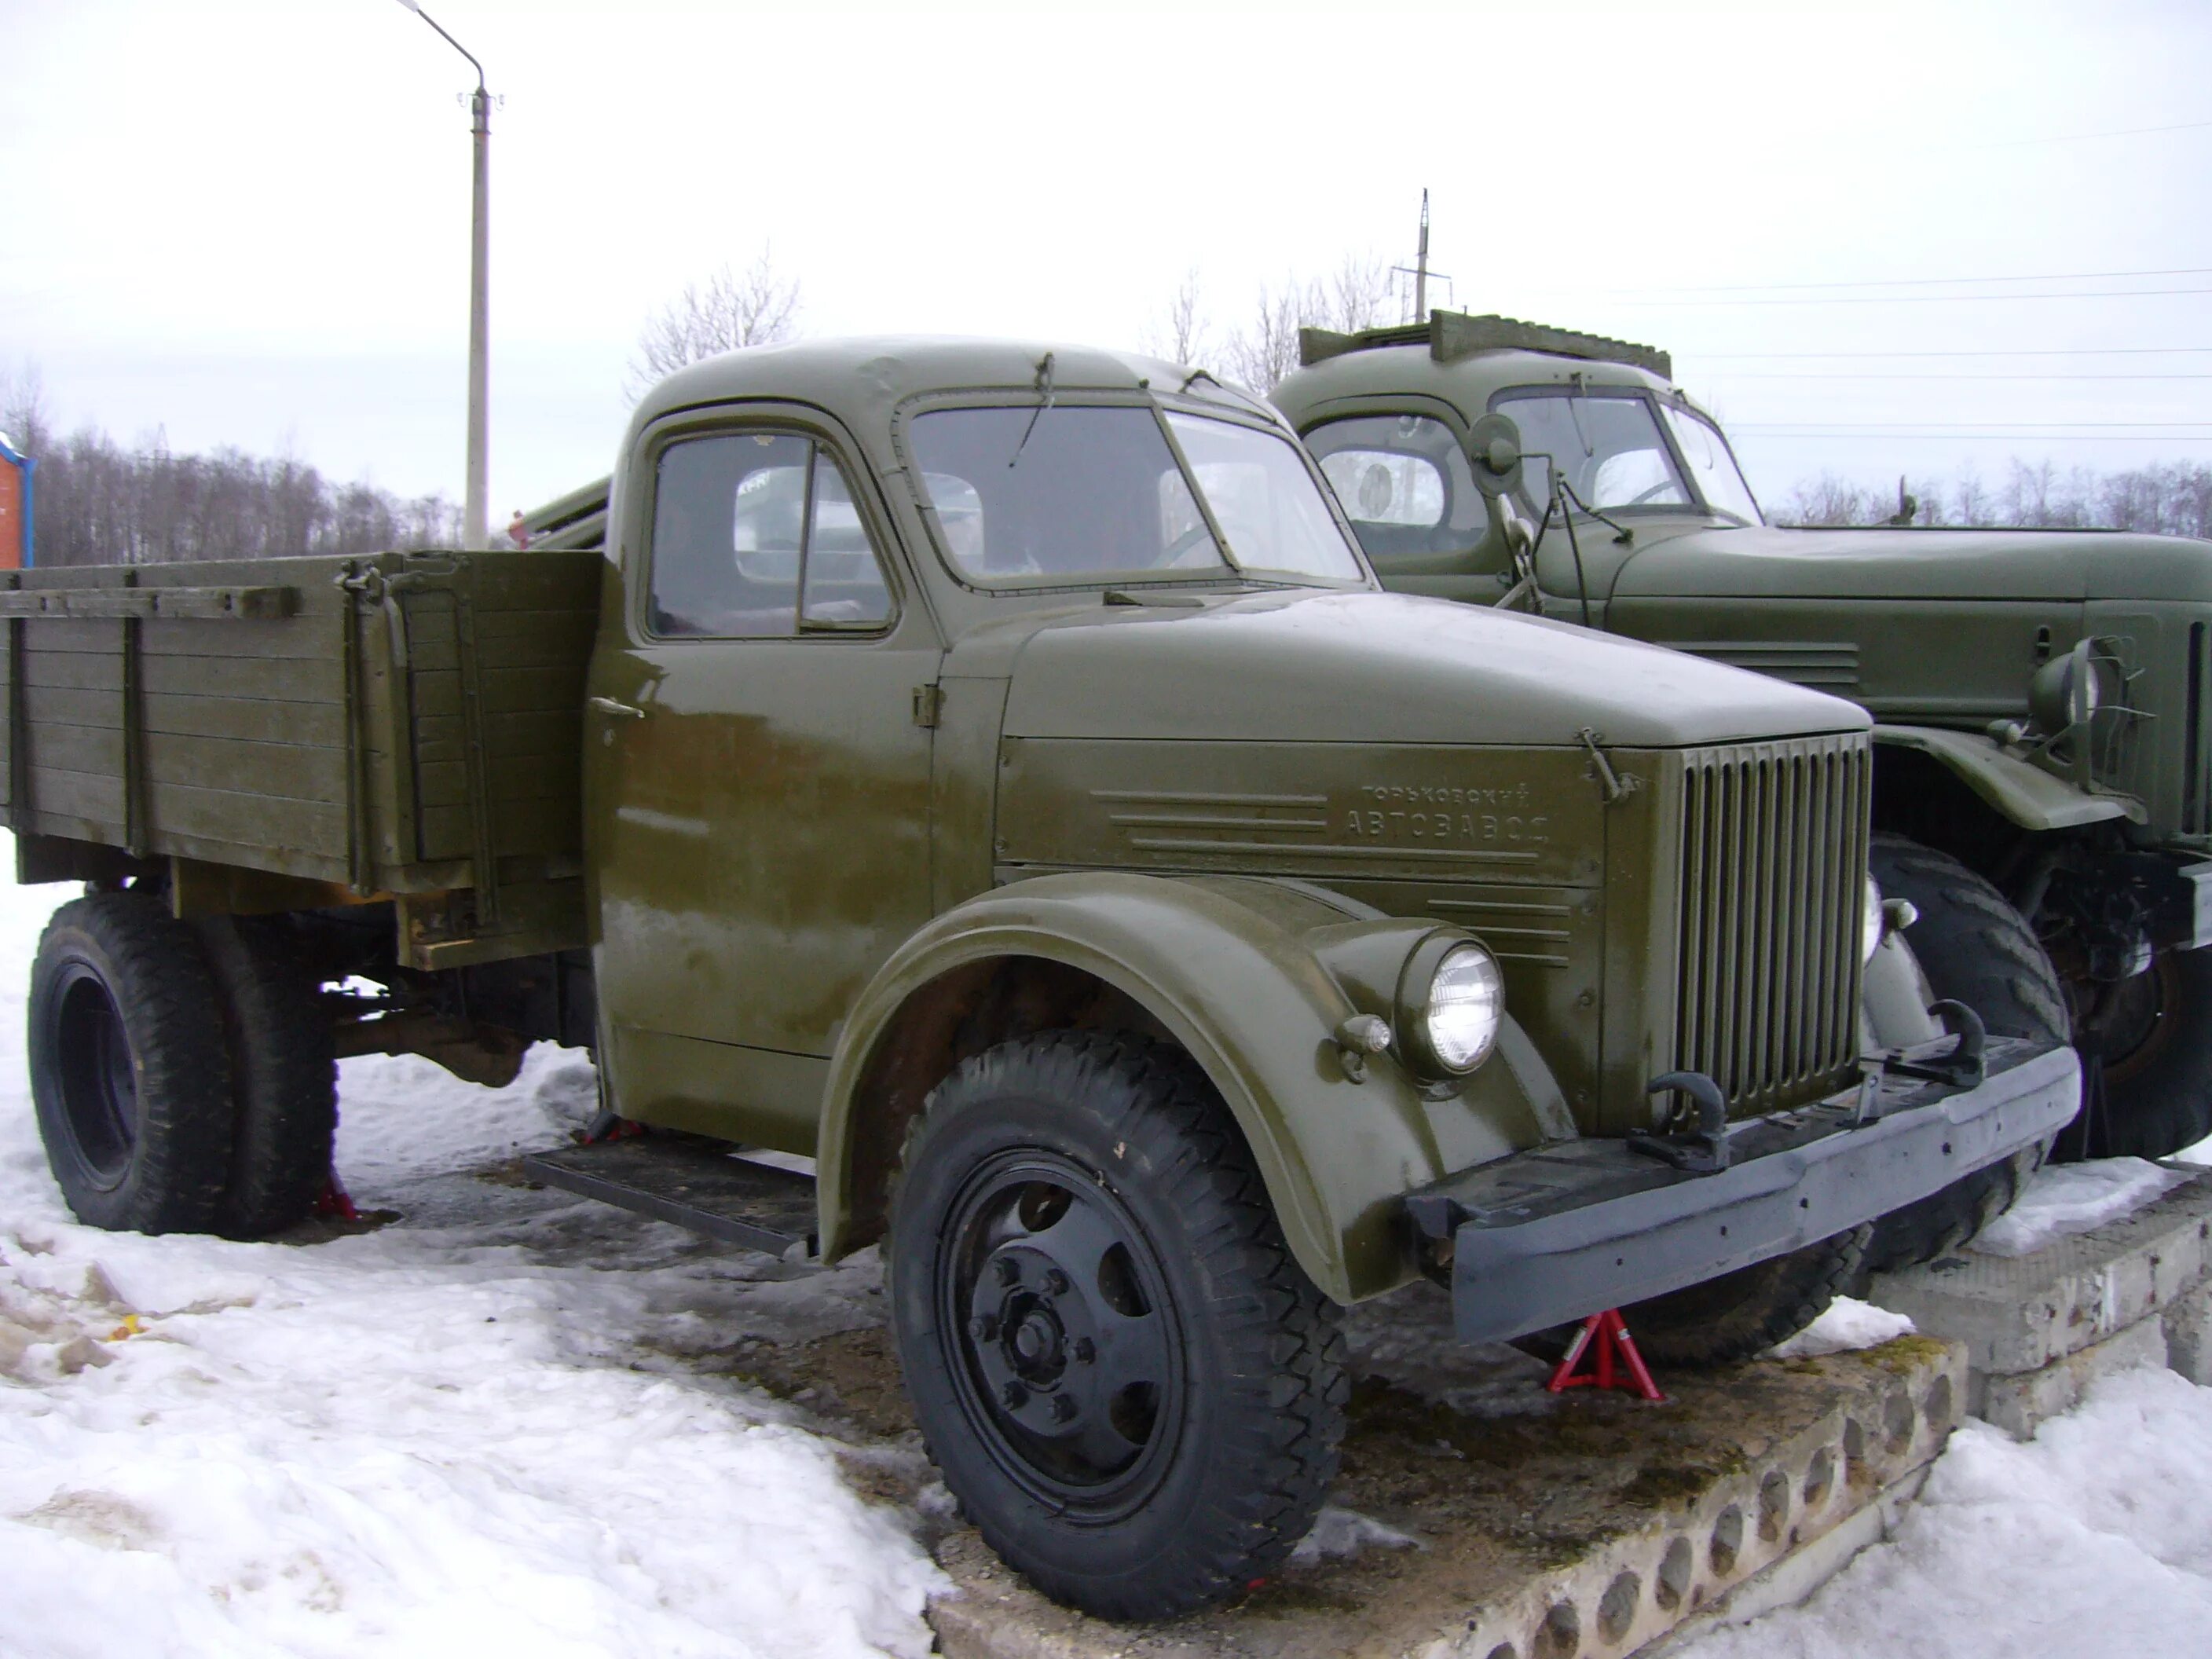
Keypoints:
pixel 473 514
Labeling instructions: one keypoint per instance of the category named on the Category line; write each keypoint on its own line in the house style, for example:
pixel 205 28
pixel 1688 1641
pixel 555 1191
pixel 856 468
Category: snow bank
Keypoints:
pixel 471 1432
pixel 2073 1198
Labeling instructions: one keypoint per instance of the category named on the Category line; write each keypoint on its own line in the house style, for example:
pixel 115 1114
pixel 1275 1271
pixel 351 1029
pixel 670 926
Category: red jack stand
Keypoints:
pixel 334 1200
pixel 1608 1336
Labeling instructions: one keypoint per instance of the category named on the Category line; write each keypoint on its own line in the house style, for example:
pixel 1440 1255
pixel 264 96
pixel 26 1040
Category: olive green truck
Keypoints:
pixel 2043 751
pixel 994 773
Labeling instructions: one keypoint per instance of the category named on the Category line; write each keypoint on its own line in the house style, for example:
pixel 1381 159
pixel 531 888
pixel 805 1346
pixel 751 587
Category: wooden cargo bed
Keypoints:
pixel 403 726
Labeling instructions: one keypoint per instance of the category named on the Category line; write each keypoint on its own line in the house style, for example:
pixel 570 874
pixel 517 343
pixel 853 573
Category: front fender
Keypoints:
pixel 1224 964
pixel 2029 796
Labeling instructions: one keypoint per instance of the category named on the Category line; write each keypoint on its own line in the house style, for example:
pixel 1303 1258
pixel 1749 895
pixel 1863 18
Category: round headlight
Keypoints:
pixel 2067 691
pixel 1870 924
pixel 1460 1011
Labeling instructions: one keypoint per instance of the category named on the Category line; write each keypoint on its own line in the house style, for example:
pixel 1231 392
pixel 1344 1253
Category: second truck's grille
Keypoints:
pixel 1774 858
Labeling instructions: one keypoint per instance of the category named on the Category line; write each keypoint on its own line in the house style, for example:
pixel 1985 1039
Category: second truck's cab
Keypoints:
pixel 2039 697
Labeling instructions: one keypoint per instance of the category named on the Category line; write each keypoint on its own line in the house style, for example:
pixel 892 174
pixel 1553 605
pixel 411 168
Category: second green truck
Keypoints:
pixel 2042 698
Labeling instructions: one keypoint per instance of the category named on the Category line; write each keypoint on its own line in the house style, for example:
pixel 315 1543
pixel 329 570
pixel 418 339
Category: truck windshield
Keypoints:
pixel 1096 491
pixel 1606 446
pixel 1712 466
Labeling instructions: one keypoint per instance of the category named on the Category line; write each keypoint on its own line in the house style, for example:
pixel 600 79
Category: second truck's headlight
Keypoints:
pixel 1870 924
pixel 1454 1016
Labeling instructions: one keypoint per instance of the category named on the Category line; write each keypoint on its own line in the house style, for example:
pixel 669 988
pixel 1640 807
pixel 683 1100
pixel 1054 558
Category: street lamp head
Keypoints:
pixel 412 6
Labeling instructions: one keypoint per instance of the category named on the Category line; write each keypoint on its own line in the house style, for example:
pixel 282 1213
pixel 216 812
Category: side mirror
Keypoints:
pixel 1494 445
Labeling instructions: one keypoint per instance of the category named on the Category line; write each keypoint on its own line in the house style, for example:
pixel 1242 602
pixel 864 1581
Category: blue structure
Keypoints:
pixel 17 499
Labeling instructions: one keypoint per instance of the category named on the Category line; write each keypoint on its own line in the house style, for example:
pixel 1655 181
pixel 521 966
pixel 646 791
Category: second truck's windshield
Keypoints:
pixel 1098 492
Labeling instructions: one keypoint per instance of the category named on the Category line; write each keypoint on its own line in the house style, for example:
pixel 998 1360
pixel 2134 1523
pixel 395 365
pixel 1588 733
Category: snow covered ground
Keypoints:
pixel 495 1426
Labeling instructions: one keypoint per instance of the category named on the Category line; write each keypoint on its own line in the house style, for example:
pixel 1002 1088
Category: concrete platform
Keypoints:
pixel 2039 1328
pixel 1539 1527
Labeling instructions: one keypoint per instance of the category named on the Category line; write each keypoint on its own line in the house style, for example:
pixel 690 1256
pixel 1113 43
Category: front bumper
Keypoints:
pixel 1570 1229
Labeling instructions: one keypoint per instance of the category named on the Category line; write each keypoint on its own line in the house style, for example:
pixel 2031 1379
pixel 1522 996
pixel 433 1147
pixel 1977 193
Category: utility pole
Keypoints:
pixel 473 514
pixel 1421 265
pixel 474 530
pixel 1419 270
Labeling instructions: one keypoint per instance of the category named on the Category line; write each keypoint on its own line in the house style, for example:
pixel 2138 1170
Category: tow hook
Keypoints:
pixel 1966 1067
pixel 1701 1151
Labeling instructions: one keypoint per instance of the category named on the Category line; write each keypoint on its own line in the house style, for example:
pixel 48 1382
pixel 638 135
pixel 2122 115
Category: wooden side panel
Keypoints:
pixel 330 738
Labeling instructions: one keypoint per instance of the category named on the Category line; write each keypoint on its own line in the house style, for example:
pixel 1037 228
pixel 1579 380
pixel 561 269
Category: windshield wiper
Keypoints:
pixel 1045 386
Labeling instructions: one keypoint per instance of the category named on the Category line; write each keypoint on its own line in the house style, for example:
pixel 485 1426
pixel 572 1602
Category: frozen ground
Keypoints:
pixel 496 1426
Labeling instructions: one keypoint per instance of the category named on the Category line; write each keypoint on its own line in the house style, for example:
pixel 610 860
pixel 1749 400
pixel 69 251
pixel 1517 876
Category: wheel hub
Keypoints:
pixel 1068 1349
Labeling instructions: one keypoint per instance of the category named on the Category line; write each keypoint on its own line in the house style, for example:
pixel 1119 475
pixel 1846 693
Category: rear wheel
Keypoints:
pixel 129 1074
pixel 2152 1036
pixel 1129 1382
pixel 1977 949
pixel 284 1076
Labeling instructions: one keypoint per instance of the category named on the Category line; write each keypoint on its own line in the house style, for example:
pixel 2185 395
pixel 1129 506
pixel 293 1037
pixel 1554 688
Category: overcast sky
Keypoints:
pixel 247 223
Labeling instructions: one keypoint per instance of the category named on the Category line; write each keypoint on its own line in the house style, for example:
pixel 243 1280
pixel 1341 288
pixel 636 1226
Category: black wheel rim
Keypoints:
pixel 2127 1022
pixel 98 1089
pixel 1064 1343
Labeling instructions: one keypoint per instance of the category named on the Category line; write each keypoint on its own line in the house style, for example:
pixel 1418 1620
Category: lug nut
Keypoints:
pixel 1085 1351
pixel 1056 1282
pixel 1014 1396
pixel 983 1328
pixel 1008 1270
pixel 1063 1408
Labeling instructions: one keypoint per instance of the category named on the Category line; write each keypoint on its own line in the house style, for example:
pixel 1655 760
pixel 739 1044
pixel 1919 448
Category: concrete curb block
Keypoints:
pixel 2040 1328
pixel 1794 1510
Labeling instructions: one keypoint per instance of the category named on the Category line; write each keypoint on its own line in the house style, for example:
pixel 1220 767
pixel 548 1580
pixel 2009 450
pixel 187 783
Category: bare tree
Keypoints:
pixel 24 416
pixel 732 309
pixel 1263 352
pixel 1355 296
pixel 1258 354
pixel 1180 333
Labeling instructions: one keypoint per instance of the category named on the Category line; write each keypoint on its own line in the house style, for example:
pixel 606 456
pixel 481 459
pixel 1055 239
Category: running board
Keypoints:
pixel 690 1181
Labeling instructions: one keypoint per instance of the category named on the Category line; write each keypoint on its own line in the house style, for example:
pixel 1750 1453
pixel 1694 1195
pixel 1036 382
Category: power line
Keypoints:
pixel 1758 375
pixel 1929 299
pixel 2084 138
pixel 1905 282
pixel 1963 437
pixel 1959 437
pixel 2025 352
pixel 1969 425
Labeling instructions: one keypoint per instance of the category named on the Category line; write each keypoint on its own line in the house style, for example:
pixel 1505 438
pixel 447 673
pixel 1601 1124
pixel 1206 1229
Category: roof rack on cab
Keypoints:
pixel 1452 335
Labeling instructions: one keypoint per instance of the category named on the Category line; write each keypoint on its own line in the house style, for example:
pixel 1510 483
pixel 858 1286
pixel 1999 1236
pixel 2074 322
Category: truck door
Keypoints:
pixel 759 783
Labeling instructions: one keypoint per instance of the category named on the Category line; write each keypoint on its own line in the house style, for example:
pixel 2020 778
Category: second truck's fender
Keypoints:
pixel 2029 796
pixel 1222 964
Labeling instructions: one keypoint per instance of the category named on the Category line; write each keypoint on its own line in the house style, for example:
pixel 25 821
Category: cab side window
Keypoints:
pixel 1404 482
pixel 755 536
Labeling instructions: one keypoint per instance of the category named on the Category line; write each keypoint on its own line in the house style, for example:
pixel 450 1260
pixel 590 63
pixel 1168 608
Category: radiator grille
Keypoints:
pixel 1774 858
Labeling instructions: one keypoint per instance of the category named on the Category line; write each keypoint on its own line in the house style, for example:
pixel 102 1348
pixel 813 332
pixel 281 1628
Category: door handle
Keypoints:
pixel 613 710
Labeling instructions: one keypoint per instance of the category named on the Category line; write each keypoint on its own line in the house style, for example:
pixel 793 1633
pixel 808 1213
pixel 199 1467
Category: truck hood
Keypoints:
pixel 1762 562
pixel 1380 668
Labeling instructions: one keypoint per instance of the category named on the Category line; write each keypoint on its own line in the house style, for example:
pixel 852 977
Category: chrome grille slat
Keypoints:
pixel 1773 864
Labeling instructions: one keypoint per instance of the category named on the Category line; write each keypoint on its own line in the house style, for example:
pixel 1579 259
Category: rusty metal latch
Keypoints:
pixel 928 705
pixel 1614 784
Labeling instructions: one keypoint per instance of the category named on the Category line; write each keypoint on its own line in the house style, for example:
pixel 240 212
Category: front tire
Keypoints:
pixel 129 1076
pixel 1129 1382
pixel 1977 949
